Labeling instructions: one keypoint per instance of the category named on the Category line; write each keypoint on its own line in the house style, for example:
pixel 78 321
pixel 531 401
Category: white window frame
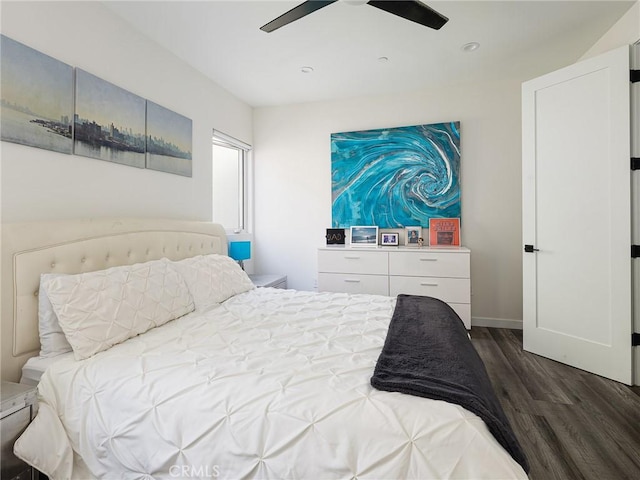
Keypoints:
pixel 245 182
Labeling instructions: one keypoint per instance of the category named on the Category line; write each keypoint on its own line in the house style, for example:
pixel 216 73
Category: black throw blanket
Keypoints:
pixel 427 353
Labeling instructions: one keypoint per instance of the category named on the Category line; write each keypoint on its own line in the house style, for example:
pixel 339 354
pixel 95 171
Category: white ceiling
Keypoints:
pixel 343 43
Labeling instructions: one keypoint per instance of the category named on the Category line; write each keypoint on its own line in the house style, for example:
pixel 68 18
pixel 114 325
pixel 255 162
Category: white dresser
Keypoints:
pixel 440 272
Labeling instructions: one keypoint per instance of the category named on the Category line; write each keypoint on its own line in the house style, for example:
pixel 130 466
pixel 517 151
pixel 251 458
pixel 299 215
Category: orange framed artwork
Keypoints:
pixel 444 232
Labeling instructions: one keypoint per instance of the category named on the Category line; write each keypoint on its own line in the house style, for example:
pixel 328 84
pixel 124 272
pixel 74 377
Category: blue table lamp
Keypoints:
pixel 240 251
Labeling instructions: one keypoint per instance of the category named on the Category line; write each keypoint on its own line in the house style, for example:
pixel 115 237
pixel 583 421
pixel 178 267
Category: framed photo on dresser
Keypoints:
pixel 444 232
pixel 335 236
pixel 364 236
pixel 413 236
pixel 389 239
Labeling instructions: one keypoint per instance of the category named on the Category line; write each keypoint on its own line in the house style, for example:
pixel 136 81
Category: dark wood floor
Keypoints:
pixel 571 424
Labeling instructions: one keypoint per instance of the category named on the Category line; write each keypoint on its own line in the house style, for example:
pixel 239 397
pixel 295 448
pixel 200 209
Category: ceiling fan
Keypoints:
pixel 412 10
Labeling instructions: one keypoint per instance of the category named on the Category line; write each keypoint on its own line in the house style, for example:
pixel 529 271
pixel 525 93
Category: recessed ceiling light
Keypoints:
pixel 470 47
pixel 306 69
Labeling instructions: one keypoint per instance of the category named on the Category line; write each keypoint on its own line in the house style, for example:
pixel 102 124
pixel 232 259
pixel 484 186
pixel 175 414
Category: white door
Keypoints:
pixel 577 214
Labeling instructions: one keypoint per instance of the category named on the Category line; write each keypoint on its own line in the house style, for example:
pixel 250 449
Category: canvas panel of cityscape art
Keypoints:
pixel 394 177
pixel 169 137
pixel 109 122
pixel 36 107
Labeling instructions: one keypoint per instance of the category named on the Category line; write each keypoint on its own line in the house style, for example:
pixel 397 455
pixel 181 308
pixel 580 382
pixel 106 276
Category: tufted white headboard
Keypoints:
pixel 29 249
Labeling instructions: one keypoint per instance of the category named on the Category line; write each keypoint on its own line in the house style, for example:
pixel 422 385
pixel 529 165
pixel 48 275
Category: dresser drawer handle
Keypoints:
pixel 425 284
pixel 349 280
pixel 428 259
pixel 351 258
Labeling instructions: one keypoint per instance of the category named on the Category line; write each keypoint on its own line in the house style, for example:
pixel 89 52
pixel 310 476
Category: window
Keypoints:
pixel 230 174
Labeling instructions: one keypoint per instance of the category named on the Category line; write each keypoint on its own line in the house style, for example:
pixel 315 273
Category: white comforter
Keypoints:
pixel 271 384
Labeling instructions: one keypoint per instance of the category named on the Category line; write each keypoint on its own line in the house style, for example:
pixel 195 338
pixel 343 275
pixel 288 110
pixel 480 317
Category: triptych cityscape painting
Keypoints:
pixel 40 107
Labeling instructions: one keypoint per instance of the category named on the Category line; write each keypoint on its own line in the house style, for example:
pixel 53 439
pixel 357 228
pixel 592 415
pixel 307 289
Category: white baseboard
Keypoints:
pixel 496 323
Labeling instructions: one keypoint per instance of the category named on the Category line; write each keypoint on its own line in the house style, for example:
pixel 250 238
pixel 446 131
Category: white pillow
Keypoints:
pixel 52 339
pixel 213 278
pixel 100 309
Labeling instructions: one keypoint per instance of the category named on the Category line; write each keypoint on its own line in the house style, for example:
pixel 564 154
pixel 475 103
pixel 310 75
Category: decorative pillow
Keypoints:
pixel 100 309
pixel 52 339
pixel 213 278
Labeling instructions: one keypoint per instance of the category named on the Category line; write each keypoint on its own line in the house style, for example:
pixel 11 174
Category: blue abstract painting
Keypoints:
pixel 394 177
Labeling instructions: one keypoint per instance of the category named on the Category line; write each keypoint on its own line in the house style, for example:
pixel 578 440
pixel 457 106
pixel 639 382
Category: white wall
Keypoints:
pixel 293 175
pixel 626 31
pixel 39 184
pixel 293 181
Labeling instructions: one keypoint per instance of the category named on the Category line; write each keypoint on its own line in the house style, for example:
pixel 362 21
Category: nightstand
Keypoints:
pixel 18 408
pixel 269 280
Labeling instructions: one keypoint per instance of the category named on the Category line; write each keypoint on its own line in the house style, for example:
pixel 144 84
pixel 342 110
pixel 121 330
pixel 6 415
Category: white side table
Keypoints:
pixel 269 280
pixel 18 407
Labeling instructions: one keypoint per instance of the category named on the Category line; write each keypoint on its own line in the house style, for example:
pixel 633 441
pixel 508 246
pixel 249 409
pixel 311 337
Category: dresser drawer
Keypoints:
pixel 450 290
pixel 353 261
pixel 429 264
pixel 353 283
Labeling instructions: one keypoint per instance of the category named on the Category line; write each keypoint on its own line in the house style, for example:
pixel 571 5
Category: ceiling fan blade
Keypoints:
pixel 412 10
pixel 296 13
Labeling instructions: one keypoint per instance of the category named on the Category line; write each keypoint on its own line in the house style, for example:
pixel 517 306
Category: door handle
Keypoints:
pixel 530 249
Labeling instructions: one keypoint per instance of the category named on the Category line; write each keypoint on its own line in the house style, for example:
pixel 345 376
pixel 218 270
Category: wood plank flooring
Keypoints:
pixel 570 423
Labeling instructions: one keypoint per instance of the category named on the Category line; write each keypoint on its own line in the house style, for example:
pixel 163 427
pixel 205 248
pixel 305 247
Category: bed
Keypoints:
pixel 215 378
